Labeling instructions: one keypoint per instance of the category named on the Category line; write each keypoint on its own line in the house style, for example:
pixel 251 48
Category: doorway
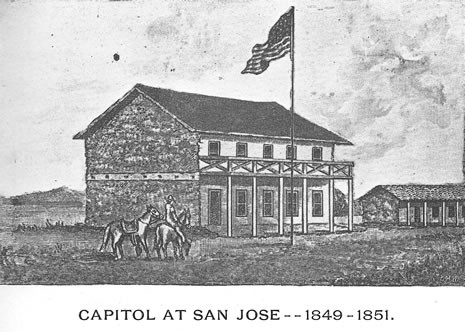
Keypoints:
pixel 417 215
pixel 214 207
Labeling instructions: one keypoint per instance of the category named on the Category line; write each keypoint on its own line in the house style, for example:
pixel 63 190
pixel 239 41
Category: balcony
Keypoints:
pixel 238 166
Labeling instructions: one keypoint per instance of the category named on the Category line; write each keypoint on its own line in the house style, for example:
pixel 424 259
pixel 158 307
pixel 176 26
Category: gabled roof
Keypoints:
pixel 423 192
pixel 221 115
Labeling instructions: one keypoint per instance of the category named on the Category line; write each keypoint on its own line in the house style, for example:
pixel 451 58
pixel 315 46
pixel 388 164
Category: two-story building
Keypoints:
pixel 227 160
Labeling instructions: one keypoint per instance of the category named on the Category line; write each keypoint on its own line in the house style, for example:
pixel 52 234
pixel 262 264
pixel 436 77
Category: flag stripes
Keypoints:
pixel 277 46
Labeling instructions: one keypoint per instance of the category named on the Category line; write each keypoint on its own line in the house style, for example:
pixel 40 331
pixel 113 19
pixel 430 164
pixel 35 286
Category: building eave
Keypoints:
pixel 345 142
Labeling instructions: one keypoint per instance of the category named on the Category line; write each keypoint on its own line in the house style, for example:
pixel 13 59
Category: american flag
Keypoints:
pixel 277 45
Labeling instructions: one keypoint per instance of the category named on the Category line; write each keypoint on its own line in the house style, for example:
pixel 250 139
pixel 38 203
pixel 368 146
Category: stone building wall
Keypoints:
pixel 111 200
pixel 142 138
pixel 380 206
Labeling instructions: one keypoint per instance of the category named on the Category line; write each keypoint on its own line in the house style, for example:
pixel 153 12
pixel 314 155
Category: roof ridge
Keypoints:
pixel 205 113
pixel 210 96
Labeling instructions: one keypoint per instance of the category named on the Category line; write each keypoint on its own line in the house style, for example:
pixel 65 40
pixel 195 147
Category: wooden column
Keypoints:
pixel 350 201
pixel 331 205
pixel 408 214
pixel 425 214
pixel 254 206
pixel 229 206
pixel 457 206
pixel 443 221
pixel 304 206
pixel 281 207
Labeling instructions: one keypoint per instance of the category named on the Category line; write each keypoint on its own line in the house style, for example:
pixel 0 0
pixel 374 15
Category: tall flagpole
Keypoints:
pixel 292 127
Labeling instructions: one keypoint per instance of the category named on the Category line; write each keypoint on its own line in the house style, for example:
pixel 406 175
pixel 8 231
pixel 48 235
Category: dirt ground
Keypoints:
pixel 370 256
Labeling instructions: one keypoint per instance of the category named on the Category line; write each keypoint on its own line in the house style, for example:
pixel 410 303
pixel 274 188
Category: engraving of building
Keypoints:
pixel 227 160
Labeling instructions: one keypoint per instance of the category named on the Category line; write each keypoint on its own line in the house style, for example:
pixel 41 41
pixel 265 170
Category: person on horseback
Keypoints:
pixel 172 217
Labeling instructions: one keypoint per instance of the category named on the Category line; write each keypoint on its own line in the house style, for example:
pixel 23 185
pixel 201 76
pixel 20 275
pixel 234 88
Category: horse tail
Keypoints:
pixel 106 238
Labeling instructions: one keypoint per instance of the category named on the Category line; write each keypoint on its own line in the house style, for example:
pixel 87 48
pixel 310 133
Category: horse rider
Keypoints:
pixel 172 217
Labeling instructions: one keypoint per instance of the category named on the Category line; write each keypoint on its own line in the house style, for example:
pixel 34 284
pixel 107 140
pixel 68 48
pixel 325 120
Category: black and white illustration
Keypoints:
pixel 232 143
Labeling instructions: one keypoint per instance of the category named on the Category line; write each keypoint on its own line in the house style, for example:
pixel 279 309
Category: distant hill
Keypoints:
pixel 62 196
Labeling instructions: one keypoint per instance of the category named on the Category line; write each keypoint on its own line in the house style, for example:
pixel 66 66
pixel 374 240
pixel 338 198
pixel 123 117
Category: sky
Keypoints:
pixel 384 74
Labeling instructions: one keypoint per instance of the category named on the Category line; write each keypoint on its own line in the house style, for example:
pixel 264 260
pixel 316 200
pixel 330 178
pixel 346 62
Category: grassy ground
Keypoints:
pixel 371 256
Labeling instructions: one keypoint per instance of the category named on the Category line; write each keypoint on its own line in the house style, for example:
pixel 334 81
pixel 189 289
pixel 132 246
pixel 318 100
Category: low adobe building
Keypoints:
pixel 228 160
pixel 415 204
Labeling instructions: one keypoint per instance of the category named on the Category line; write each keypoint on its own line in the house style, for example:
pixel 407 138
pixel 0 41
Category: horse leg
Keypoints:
pixel 157 244
pixel 106 237
pixel 165 250
pixel 181 251
pixel 157 248
pixel 140 243
pixel 175 250
pixel 143 241
pixel 118 248
pixel 138 250
pixel 113 245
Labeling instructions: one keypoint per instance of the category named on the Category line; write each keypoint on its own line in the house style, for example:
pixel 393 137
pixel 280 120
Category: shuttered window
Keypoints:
pixel 317 153
pixel 292 205
pixel 241 150
pixel 241 203
pixel 289 152
pixel 267 151
pixel 268 203
pixel 317 203
pixel 214 148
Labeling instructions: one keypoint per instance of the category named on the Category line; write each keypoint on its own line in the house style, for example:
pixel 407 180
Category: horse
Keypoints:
pixel 115 230
pixel 166 234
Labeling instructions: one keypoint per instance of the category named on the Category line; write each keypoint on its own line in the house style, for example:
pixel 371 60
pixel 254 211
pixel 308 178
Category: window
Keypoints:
pixel 289 152
pixel 241 203
pixel 292 208
pixel 451 211
pixel 463 210
pixel 241 150
pixel 317 203
pixel 214 148
pixel 267 151
pixel 268 207
pixel 317 153
pixel 435 211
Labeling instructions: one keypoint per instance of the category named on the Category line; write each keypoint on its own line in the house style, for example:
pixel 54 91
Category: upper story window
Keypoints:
pixel 267 151
pixel 317 153
pixel 289 152
pixel 214 148
pixel 241 150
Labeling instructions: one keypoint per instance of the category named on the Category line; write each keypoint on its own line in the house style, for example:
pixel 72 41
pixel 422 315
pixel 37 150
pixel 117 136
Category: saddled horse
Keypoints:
pixel 165 234
pixel 115 231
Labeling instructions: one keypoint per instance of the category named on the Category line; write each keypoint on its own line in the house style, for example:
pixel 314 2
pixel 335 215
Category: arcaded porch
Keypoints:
pixel 426 213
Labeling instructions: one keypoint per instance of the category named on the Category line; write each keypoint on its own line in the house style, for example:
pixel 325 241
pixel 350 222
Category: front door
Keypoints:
pixel 214 207
pixel 417 214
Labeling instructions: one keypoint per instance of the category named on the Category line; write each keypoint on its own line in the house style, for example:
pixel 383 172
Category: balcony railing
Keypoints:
pixel 275 167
